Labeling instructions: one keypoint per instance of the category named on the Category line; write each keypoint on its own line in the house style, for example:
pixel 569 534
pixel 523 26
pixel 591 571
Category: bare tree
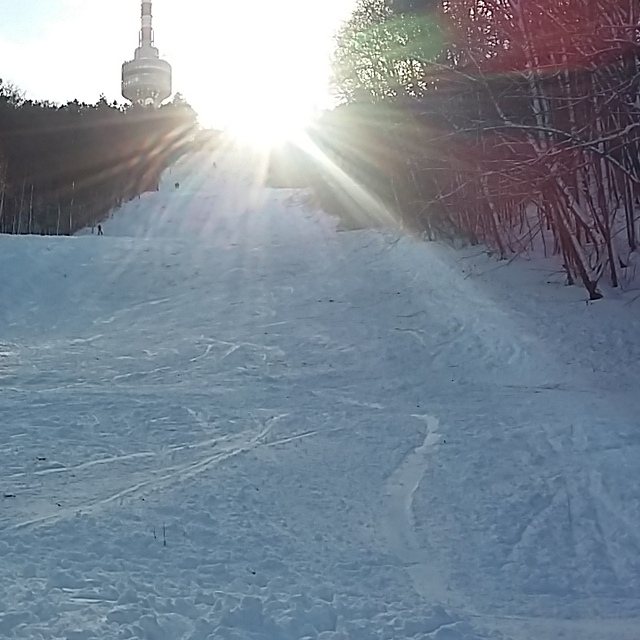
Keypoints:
pixel 523 131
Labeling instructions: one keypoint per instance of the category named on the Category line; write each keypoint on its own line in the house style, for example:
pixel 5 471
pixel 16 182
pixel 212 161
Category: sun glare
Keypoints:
pixel 262 68
pixel 268 126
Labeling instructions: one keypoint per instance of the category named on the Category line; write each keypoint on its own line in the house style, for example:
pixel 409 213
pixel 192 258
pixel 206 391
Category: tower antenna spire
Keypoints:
pixel 146 30
pixel 146 80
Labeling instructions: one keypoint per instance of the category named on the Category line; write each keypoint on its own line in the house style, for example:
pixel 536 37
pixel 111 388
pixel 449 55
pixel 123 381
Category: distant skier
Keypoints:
pixel 177 185
pixel 100 230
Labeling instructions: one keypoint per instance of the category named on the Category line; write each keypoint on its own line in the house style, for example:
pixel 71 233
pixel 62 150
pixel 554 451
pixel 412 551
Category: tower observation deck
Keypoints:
pixel 146 80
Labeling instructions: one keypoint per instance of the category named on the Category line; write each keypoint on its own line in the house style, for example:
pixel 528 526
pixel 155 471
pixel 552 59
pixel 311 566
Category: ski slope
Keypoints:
pixel 227 419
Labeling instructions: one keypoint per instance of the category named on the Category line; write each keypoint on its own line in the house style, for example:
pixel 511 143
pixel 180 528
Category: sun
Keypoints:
pixel 269 126
pixel 258 69
pixel 277 115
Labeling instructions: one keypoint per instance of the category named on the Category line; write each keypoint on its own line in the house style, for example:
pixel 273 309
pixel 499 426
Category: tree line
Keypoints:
pixel 512 123
pixel 64 167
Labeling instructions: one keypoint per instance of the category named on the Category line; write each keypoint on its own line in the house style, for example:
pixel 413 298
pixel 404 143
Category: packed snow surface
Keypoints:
pixel 227 419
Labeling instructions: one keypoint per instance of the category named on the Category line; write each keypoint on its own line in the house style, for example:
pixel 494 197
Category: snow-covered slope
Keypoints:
pixel 225 419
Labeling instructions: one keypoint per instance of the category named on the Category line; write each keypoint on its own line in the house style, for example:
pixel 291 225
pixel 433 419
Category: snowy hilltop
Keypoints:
pixel 228 419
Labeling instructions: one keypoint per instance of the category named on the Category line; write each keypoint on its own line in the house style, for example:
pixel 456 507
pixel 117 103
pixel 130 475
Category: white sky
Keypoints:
pixel 226 55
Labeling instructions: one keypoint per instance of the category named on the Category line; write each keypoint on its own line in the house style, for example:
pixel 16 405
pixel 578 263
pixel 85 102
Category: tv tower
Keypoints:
pixel 146 80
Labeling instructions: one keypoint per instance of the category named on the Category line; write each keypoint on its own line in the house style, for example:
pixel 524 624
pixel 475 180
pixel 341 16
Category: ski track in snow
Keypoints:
pixel 227 420
pixel 400 527
pixel 155 478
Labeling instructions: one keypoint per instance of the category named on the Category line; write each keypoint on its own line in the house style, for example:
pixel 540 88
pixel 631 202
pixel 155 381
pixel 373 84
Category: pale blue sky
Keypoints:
pixel 23 19
pixel 223 52
pixel 64 49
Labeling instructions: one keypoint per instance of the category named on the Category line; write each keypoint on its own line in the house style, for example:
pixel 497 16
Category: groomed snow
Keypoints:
pixel 229 420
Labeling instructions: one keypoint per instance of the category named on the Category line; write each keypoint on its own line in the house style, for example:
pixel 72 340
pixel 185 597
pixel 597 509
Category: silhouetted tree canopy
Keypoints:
pixel 64 167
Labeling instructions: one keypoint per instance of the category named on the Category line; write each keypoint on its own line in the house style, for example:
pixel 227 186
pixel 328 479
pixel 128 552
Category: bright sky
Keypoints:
pixel 229 58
